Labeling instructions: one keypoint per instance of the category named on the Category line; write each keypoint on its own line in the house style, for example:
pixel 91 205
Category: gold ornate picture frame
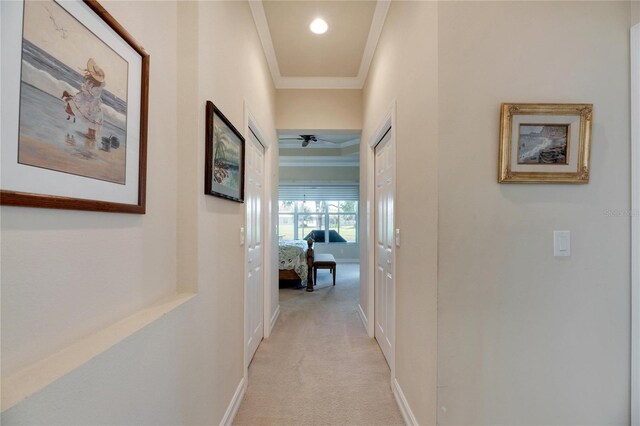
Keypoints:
pixel 544 143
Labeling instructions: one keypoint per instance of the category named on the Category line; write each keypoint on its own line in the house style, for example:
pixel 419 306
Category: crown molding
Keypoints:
pixel 319 82
pixel 280 82
pixel 297 132
pixel 319 164
pixel 377 23
pixel 298 182
pixel 319 145
pixel 324 161
pixel 260 19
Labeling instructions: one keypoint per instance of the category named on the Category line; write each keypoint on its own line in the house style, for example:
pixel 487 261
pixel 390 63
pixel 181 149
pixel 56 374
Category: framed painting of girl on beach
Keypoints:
pixel 76 108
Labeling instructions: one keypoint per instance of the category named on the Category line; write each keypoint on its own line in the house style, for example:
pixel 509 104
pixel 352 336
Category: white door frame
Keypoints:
pixel 635 225
pixel 251 125
pixel 388 124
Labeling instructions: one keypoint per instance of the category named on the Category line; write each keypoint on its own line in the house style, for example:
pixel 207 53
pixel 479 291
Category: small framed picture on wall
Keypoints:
pixel 224 157
pixel 544 143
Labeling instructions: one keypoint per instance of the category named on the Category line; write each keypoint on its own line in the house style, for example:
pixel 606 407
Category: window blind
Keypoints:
pixel 319 192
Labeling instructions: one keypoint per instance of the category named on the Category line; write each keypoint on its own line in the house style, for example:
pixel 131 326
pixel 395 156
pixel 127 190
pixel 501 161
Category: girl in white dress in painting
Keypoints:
pixel 87 104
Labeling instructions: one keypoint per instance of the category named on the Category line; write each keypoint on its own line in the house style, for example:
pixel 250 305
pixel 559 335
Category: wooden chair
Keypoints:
pixel 324 261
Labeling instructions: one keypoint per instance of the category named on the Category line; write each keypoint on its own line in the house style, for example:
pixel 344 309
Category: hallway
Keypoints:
pixel 319 366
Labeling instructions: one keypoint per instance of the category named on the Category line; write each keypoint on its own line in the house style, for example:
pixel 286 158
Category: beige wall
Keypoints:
pixel 221 268
pixel 406 55
pixel 524 337
pixel 189 120
pixel 66 274
pixel 319 109
pixel 56 286
pixel 635 12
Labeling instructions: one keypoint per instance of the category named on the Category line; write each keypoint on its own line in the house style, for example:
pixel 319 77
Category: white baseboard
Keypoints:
pixel 274 318
pixel 363 317
pixel 407 414
pixel 232 409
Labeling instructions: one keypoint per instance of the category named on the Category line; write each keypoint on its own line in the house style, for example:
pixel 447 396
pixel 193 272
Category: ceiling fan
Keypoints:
pixel 307 139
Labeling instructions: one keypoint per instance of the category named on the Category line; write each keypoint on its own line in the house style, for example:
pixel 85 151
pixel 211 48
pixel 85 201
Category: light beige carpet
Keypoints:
pixel 319 367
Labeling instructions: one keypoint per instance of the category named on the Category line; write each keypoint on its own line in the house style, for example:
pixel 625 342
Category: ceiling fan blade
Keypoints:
pixel 325 140
pixel 305 143
pixel 290 139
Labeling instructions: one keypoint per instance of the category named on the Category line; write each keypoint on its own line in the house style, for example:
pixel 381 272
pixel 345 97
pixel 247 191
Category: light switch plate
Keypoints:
pixel 561 243
pixel 397 237
pixel 242 235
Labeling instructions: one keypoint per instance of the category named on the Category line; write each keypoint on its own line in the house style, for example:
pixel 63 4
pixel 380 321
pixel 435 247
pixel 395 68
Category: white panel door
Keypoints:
pixel 254 187
pixel 384 246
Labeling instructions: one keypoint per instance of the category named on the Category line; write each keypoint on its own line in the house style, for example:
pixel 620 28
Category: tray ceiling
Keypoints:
pixel 331 150
pixel 338 59
pixel 289 139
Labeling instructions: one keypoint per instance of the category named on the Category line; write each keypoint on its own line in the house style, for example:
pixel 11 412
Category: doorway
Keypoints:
pixel 319 189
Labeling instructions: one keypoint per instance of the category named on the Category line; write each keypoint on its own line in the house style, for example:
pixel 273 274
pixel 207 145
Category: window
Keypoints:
pixel 328 213
pixel 343 219
pixel 325 221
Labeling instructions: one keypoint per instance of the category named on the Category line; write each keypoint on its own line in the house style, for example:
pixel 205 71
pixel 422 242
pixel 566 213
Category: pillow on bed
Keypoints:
pixel 318 236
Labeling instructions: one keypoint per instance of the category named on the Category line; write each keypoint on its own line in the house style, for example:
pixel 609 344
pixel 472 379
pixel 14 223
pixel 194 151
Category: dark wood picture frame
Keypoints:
pixel 211 112
pixel 14 198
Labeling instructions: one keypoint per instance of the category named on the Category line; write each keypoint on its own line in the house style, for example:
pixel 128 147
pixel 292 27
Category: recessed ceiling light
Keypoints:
pixel 319 26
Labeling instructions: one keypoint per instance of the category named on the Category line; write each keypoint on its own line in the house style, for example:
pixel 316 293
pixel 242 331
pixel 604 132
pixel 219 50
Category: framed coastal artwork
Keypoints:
pixel 74 108
pixel 224 157
pixel 544 143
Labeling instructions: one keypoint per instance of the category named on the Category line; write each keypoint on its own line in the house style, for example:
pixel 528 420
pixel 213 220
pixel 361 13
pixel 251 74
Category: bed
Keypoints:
pixel 295 261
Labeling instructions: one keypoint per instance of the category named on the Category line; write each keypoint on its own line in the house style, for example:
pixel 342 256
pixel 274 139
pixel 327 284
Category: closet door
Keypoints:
pixel 254 196
pixel 384 246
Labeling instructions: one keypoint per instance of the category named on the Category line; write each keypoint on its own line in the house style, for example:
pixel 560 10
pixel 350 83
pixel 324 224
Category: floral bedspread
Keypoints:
pixel 292 255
